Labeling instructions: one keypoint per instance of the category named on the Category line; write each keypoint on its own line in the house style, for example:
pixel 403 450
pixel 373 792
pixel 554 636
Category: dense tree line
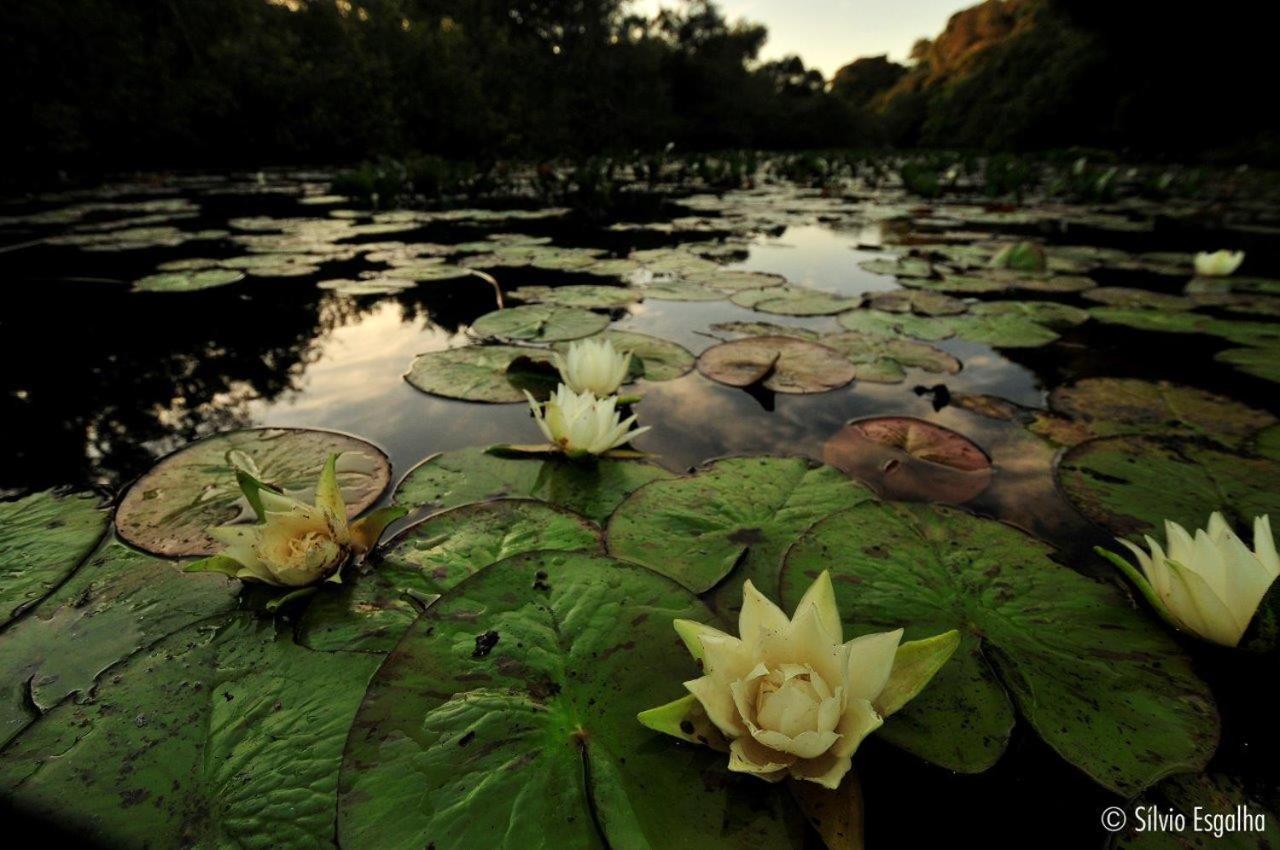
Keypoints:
pixel 108 84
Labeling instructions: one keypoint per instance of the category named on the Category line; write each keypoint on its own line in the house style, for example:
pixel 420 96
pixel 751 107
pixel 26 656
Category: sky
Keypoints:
pixel 829 33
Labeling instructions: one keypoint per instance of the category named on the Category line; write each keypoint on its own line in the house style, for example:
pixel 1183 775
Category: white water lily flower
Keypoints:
pixel 294 544
pixel 1218 263
pixel 1210 584
pixel 593 366
pixel 790 696
pixel 579 424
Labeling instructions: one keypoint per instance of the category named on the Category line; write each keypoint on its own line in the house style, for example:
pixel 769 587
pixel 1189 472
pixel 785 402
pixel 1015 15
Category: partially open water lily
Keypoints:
pixel 1218 263
pixel 293 544
pixel 789 696
pixel 593 366
pixel 579 424
pixel 1209 584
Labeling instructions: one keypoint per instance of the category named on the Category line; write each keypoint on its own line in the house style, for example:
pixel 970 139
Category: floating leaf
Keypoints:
pixel 169 510
pixel 507 715
pixel 1206 797
pixel 894 324
pixel 920 302
pixel 43 538
pixel 727 280
pixel 587 296
pixel 795 301
pixel 652 358
pixel 1009 330
pixel 885 359
pixel 1124 297
pixel 1042 312
pixel 764 329
pixel 372 611
pixel 1263 362
pixel 592 489
pixel 679 290
pixel 1110 406
pixel 218 735
pixel 187 281
pixel 490 373
pixel 904 458
pixel 539 323
pixel 1132 484
pixel 696 529
pixel 900 266
pixel 780 363
pixel 1103 685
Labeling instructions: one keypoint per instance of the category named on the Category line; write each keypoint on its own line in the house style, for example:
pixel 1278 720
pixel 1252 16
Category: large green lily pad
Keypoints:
pixel 223 734
pixel 1105 407
pixel 735 511
pixel 539 323
pixel 498 374
pixel 118 604
pixel 783 364
pixel 794 301
pixel 680 290
pixel 187 281
pixel 168 510
pixel 1103 685
pixel 1000 330
pixel 372 610
pixel 506 718
pixel 882 323
pixel 1209 796
pixel 1127 297
pixel 586 296
pixel 43 538
pixel 884 360
pixel 1262 362
pixel 592 489
pixel 764 329
pixel 1043 312
pixel 652 358
pixel 917 301
pixel 1132 484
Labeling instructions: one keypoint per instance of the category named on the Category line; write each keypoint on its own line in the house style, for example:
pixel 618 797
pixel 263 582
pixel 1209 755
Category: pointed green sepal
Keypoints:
pixel 684 719
pixel 328 493
pixel 914 665
pixel 289 598
pixel 366 530
pixel 1140 581
pixel 216 564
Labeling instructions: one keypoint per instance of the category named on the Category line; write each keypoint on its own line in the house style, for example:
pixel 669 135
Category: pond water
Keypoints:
pixel 102 381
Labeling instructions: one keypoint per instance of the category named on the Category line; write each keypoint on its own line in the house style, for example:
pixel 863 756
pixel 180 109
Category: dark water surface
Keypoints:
pixel 99 382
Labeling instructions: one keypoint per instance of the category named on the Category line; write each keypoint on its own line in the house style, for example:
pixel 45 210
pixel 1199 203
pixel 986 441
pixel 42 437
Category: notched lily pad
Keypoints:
pixel 539 323
pixel 920 302
pixel 884 360
pixel 909 459
pixel 586 296
pixel 795 301
pixel 168 510
pixel 780 363
pixel 490 373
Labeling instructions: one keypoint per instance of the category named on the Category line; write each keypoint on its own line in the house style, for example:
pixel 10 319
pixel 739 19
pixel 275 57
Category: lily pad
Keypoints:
pixel 909 459
pixel 959 284
pixel 745 511
pixel 727 280
pixel 764 329
pixel 894 324
pixel 187 281
pixel 539 323
pixel 780 363
pixel 1109 406
pixel 652 358
pixel 920 302
pixel 471 475
pixel 679 290
pixel 43 538
pixel 1132 484
pixel 490 373
pixel 372 611
pixel 508 715
pixel 587 296
pixel 169 510
pixel 1103 685
pixel 1008 330
pixel 1206 795
pixel 218 735
pixel 899 267
pixel 1042 312
pixel 1262 362
pixel 794 301
pixel 884 360
pixel 1125 297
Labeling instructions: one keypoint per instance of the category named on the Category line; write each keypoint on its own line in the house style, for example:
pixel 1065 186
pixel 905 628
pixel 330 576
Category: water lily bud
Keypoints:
pixel 1021 256
pixel 1209 585
pixel 579 424
pixel 1218 263
pixel 593 366
pixel 790 695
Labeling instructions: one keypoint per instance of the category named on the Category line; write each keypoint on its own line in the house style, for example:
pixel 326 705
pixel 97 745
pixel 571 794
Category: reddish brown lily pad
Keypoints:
pixel 909 459
pixel 779 363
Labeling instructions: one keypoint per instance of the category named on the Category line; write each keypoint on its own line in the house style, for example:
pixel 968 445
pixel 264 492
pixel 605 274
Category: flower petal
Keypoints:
pixel 860 719
pixel 823 595
pixel 718 703
pixel 870 663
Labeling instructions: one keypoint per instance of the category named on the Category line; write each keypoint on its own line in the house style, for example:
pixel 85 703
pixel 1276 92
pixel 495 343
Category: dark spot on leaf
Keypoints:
pixel 467 738
pixel 747 536
pixel 485 644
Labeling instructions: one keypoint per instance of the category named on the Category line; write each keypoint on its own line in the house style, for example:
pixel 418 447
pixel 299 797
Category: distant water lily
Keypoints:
pixel 1210 584
pixel 581 425
pixel 789 695
pixel 293 544
pixel 1218 263
pixel 593 366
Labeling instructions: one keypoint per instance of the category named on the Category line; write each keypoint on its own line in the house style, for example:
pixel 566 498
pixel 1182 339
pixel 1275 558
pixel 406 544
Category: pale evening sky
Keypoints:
pixel 829 33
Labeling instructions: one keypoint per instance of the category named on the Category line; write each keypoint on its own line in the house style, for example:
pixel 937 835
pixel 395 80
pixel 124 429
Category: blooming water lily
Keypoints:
pixel 293 544
pixel 789 696
pixel 1218 263
pixel 593 366
pixel 580 425
pixel 1210 584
